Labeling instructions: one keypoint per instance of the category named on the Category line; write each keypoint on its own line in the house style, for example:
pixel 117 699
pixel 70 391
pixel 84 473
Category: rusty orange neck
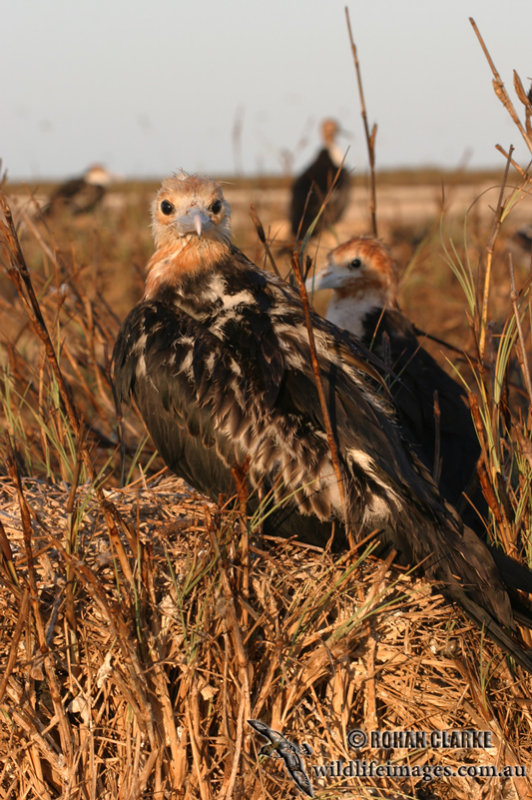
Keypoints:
pixel 171 263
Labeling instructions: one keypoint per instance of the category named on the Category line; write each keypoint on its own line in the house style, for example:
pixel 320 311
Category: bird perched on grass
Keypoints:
pixel 431 405
pixel 310 189
pixel 216 356
pixel 81 195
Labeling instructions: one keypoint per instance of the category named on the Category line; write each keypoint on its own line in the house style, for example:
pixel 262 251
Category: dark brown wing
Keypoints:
pixel 237 388
pixel 309 191
pixel 77 195
pixel 418 384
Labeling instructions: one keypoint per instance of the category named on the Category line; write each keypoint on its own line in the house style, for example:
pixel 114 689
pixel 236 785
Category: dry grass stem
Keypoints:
pixel 371 137
pixel 502 94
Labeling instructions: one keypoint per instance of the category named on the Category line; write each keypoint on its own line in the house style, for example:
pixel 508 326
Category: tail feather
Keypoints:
pixel 514 575
pixel 496 632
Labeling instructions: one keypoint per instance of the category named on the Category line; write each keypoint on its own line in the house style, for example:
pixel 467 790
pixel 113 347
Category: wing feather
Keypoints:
pixel 214 401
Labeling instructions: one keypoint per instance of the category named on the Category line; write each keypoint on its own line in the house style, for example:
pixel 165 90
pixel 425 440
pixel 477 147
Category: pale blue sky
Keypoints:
pixel 151 87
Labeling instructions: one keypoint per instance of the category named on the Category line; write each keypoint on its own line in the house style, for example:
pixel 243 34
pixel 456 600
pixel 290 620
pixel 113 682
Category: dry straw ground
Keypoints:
pixel 142 626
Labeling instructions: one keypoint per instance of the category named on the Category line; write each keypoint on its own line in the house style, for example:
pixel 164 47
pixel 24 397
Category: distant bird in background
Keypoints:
pixel 311 187
pixel 81 195
pixel 217 358
pixel 524 236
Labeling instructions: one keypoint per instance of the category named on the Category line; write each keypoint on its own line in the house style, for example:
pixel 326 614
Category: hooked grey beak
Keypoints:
pixel 320 280
pixel 193 221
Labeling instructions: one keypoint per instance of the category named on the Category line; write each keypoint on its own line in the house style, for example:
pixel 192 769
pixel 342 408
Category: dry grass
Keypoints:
pixel 142 627
pixel 138 682
pixel 138 636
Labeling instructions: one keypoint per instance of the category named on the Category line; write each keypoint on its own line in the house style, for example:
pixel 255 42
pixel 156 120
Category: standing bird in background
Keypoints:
pixel 217 358
pixel 81 195
pixel 311 187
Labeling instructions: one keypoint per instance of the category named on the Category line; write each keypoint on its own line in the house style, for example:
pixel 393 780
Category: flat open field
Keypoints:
pixel 420 216
pixel 141 625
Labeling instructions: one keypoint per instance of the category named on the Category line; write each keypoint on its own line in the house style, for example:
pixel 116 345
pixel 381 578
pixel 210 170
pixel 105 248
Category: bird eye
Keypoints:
pixel 356 263
pixel 166 207
pixel 216 206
